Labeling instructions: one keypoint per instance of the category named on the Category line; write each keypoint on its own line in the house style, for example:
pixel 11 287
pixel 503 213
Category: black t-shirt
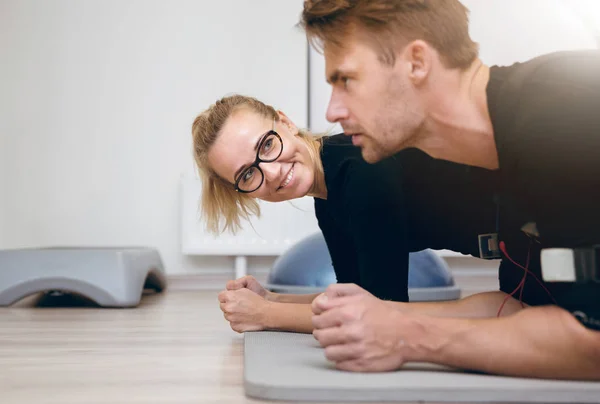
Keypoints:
pixel 375 214
pixel 546 119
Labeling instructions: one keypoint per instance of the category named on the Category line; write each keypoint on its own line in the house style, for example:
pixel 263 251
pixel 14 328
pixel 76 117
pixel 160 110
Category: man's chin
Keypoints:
pixel 371 156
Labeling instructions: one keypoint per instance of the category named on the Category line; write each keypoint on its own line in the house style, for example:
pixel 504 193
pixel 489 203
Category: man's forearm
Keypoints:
pixel 481 305
pixel 542 342
pixel 295 317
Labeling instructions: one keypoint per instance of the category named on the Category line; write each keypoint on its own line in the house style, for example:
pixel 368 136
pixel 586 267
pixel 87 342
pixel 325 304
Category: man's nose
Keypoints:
pixel 336 110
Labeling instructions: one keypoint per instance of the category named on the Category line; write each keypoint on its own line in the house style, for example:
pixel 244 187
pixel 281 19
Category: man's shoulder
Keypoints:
pixel 577 69
pixel 545 99
pixel 563 58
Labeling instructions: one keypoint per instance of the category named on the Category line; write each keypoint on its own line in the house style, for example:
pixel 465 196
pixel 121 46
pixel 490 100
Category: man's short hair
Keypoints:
pixel 444 24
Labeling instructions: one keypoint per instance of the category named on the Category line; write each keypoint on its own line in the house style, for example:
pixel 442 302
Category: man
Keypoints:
pixel 405 74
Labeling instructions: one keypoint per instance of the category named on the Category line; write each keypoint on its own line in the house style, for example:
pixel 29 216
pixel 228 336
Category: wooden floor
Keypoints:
pixel 175 348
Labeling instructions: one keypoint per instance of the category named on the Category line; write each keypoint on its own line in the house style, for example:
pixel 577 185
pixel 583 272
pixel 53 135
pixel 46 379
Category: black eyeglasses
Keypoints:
pixel 269 150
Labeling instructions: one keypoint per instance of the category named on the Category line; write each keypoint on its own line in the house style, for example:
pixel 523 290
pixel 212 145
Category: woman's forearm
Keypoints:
pixel 295 317
pixel 291 298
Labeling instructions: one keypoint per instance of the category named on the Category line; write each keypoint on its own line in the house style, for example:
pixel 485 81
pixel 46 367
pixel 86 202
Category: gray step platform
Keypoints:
pixel 414 294
pixel 290 366
pixel 110 277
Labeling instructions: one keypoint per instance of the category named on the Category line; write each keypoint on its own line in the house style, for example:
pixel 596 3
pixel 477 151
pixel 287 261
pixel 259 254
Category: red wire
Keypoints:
pixel 525 274
pixel 521 284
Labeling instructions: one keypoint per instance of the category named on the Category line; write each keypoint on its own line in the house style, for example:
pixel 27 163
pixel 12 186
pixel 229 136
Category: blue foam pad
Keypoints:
pixel 308 263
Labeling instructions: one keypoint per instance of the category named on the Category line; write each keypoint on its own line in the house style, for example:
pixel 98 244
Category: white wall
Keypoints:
pixel 97 101
pixel 4 105
pixel 97 98
pixel 511 31
pixel 3 174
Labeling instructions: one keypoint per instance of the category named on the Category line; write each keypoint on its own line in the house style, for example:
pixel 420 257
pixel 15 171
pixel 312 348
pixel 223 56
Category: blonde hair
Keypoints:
pixel 442 23
pixel 220 201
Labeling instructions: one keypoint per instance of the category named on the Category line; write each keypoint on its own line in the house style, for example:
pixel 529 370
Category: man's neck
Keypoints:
pixel 458 126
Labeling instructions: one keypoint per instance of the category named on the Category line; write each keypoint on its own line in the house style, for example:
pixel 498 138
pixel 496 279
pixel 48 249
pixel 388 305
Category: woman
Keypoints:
pixel 371 215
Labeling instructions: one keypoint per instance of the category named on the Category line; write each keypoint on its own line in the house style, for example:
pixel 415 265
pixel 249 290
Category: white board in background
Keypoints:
pixel 280 226
pixel 507 31
pixel 319 92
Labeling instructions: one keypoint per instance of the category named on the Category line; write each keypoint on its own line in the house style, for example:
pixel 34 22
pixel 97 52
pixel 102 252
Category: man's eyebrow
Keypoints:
pixel 255 149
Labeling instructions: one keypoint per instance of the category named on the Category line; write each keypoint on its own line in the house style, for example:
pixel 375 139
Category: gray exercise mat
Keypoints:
pixel 414 294
pixel 290 366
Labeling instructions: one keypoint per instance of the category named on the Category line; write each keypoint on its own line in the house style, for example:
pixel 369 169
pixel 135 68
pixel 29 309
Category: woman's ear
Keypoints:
pixel 283 119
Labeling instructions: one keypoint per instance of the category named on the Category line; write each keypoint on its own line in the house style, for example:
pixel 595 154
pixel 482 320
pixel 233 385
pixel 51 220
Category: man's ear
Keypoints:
pixel 283 119
pixel 419 57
